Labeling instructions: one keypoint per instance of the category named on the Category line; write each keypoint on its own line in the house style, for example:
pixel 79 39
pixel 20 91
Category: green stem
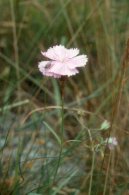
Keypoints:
pixel 62 136
pixel 107 174
pixel 92 170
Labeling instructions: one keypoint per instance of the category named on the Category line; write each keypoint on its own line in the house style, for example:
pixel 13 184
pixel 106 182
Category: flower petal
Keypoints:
pixel 43 64
pixel 44 68
pixel 57 52
pixel 78 61
pixel 72 52
pixel 50 74
pixel 62 69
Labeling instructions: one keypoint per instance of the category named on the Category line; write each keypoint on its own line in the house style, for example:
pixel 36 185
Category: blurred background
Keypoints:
pixel 29 102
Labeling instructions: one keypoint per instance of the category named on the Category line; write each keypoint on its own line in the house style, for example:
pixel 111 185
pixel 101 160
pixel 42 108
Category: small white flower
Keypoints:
pixel 112 142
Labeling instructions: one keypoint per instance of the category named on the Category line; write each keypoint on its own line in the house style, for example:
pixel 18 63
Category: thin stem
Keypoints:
pixel 16 52
pixel 62 120
pixel 92 166
pixel 62 136
pixel 92 170
pixel 15 43
pixel 107 174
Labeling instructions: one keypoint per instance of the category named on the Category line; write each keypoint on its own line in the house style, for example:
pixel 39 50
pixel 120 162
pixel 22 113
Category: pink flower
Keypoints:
pixel 62 62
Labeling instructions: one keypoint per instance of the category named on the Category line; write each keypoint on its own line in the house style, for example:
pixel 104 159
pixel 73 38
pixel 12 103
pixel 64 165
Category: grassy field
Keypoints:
pixel 34 157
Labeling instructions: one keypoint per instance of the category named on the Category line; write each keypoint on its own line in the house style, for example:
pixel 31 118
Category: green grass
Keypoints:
pixel 30 117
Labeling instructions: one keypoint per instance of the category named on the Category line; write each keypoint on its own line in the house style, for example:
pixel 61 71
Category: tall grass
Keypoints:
pixel 30 115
